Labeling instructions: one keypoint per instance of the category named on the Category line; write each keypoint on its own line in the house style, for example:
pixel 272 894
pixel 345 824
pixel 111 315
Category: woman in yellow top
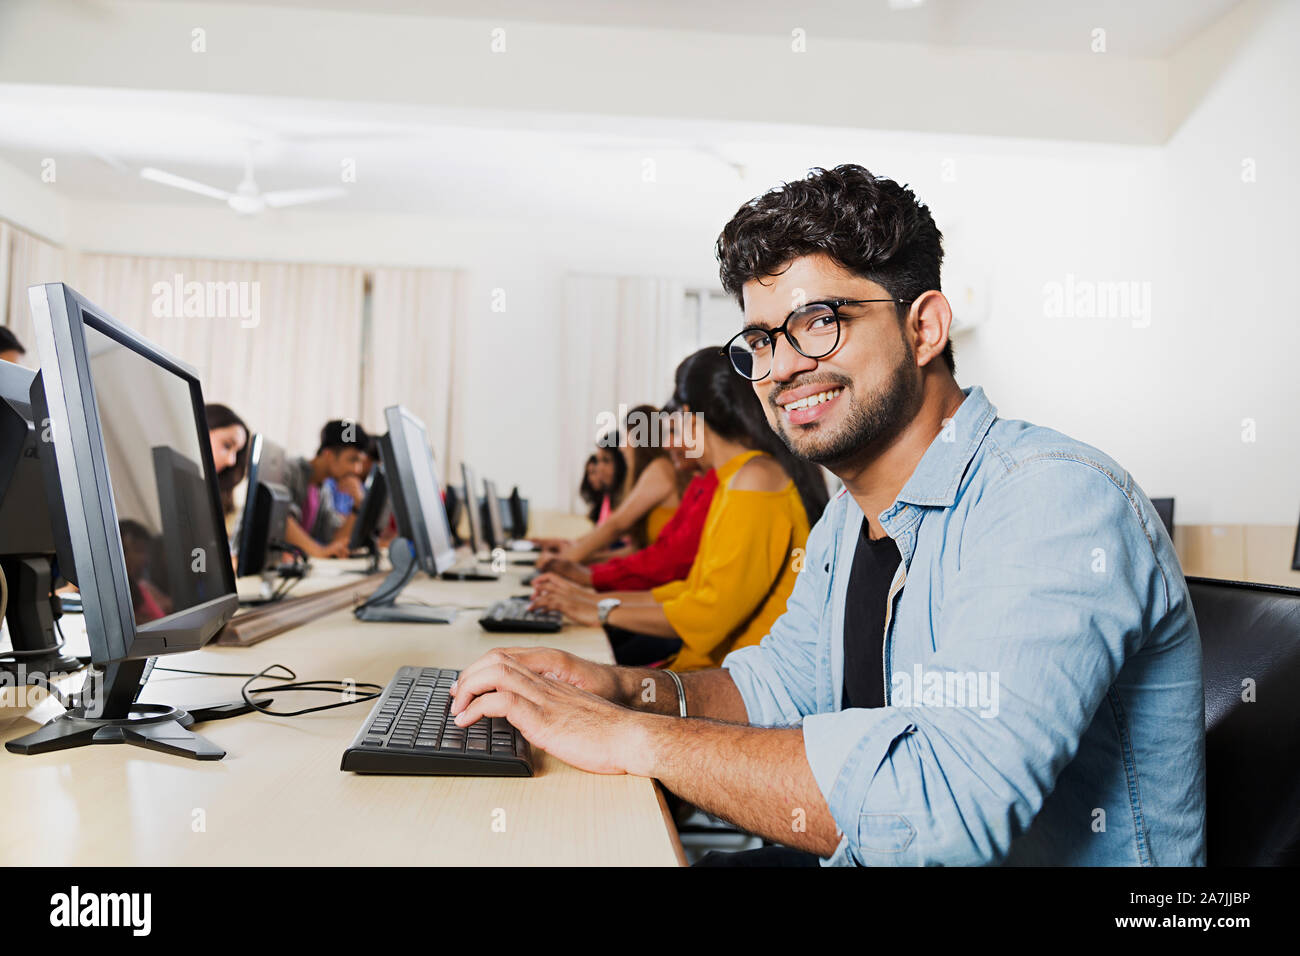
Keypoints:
pixel 745 567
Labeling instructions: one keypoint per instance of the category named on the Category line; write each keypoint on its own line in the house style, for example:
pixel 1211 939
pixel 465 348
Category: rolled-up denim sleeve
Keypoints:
pixel 1056 579
pixel 777 677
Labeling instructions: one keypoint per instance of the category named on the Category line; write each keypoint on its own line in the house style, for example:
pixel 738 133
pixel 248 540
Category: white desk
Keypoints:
pixel 279 797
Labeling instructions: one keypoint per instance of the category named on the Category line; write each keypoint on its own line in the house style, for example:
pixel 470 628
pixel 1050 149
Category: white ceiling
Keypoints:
pixel 472 164
pixel 485 163
pixel 1145 28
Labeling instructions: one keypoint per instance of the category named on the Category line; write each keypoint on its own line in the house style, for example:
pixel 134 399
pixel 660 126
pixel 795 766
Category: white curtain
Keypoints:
pixel 284 357
pixel 622 339
pixel 25 260
pixel 415 355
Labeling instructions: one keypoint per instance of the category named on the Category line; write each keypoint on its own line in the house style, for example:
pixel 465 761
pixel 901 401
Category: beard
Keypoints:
pixel 869 421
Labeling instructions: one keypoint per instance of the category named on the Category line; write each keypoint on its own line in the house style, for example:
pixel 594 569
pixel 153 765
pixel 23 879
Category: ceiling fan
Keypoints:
pixel 247 199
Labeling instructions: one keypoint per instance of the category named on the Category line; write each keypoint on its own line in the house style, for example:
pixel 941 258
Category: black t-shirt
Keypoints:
pixel 874 564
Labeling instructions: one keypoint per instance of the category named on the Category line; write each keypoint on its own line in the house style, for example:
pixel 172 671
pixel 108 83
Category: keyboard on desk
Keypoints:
pixel 410 731
pixel 513 615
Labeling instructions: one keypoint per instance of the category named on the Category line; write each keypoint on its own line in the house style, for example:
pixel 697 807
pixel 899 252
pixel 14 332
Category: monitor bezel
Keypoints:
pixel 477 534
pixel 398 418
pixel 255 445
pixel 60 316
pixel 496 527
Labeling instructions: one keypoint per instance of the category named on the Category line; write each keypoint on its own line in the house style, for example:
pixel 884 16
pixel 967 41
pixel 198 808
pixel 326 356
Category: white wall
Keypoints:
pixel 1167 399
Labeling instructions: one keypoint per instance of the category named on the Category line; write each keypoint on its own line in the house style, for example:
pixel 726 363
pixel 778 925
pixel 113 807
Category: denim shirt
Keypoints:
pixel 1042 665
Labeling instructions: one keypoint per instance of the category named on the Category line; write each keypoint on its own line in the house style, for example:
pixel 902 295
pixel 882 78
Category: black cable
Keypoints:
pixel 181 670
pixel 327 686
pixel 324 686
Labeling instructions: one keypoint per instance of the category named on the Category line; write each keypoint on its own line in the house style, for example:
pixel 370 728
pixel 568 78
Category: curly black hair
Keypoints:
pixel 870 225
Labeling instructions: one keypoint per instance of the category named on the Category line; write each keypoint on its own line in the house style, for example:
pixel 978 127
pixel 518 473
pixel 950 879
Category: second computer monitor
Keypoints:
pixel 492 504
pixel 416 491
pixel 477 538
pixel 262 522
pixel 373 514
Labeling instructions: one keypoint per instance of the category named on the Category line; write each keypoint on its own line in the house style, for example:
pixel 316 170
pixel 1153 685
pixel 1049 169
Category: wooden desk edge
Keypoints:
pixel 674 838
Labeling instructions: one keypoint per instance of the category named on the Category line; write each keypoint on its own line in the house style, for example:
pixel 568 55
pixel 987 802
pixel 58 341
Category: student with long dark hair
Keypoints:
pixel 655 492
pixel 230 439
pixel 746 565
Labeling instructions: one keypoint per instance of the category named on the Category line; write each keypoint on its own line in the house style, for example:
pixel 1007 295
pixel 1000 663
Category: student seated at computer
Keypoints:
pixel 670 555
pixel 604 477
pixel 229 437
pixel 656 488
pixel 11 350
pixel 747 562
pixel 326 491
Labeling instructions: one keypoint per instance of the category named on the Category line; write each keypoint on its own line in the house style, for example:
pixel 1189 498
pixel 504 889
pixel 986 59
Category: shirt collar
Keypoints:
pixel 939 472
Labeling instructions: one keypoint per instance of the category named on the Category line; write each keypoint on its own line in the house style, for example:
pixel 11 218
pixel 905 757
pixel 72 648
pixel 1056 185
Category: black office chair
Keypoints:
pixel 1252 750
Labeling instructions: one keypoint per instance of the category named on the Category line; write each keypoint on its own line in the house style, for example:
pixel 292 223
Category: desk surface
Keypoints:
pixel 279 797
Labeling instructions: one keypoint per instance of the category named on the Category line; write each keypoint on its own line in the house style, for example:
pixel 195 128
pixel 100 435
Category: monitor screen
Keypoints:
pixel 168 518
pixel 416 487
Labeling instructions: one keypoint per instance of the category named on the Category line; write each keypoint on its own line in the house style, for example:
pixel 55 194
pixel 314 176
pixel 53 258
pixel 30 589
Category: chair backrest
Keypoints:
pixel 1165 509
pixel 1250 633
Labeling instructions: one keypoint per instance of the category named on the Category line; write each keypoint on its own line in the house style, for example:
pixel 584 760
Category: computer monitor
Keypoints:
pixel 27 555
pixel 473 514
pixel 373 515
pixel 416 490
pixel 266 512
pixel 1165 509
pixel 518 515
pixel 267 504
pixel 124 420
pixel 454 500
pixel 492 506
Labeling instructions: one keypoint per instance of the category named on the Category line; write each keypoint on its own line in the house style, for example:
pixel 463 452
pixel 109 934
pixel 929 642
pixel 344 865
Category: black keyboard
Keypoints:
pixel 513 615
pixel 410 731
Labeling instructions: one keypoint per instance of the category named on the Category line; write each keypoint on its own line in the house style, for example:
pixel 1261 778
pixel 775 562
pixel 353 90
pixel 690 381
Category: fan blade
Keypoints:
pixel 180 182
pixel 296 197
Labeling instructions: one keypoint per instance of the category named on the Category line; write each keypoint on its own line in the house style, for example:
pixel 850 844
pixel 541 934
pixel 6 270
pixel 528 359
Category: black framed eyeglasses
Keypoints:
pixel 813 331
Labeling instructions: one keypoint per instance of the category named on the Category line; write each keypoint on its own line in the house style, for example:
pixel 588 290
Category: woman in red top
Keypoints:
pixel 670 556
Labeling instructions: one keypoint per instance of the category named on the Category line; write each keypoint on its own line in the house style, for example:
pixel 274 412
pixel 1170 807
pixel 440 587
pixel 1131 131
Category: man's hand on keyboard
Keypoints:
pixel 557 714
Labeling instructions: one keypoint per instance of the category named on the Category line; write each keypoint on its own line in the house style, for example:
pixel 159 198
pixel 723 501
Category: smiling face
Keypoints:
pixel 836 409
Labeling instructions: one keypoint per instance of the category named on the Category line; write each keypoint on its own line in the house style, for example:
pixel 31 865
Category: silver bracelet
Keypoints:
pixel 681 694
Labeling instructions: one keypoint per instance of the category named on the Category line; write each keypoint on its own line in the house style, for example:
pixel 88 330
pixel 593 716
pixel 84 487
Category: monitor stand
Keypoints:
pixel 284 573
pixel 158 727
pixel 33 609
pixel 383 606
pixel 371 553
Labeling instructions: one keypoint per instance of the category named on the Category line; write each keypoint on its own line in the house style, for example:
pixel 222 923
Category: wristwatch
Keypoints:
pixel 604 606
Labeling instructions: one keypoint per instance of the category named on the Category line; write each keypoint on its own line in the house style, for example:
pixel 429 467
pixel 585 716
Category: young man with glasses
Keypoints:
pixel 990 654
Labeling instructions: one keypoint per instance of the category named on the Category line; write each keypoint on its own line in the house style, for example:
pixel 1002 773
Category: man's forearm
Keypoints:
pixel 755 777
pixel 296 535
pixel 709 693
